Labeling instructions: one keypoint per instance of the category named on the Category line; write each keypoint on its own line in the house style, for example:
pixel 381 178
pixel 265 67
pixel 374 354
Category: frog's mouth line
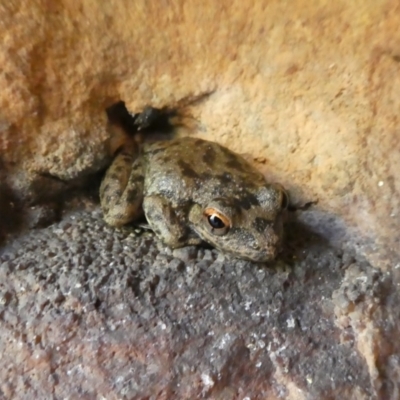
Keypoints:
pixel 244 256
pixel 264 255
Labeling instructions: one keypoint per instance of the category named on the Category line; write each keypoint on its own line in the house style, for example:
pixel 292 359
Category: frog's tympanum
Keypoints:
pixel 192 190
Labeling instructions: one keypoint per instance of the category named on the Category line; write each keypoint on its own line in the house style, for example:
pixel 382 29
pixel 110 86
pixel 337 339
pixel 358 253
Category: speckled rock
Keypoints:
pixel 90 312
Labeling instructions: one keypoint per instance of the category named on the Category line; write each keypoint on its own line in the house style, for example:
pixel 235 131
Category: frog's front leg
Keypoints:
pixel 167 223
pixel 121 191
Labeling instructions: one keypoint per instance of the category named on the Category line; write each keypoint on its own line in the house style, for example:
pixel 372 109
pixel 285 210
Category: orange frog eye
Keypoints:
pixel 219 223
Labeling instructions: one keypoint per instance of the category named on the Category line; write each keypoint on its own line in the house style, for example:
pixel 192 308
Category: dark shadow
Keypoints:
pixel 11 213
pixel 298 238
pixel 149 120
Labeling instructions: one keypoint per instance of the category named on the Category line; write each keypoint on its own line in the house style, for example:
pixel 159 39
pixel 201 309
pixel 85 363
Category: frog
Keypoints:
pixel 194 191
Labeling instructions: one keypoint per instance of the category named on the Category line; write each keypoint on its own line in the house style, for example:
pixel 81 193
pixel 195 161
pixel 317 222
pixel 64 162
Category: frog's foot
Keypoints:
pixel 166 223
pixel 121 191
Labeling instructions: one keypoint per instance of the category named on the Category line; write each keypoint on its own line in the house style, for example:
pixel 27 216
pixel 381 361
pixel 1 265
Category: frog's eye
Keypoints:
pixel 284 200
pixel 218 223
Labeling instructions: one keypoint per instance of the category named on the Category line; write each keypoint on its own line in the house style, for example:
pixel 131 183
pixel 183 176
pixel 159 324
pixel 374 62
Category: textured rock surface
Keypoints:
pixel 89 312
pixel 310 89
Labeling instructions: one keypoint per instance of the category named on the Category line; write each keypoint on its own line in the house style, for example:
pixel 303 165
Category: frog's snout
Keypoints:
pixel 273 239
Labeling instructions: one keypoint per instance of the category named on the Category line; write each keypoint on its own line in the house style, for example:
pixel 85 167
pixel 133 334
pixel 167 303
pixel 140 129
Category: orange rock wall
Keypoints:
pixel 310 87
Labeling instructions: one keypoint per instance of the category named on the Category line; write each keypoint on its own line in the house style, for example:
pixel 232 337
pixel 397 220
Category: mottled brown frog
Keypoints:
pixel 193 190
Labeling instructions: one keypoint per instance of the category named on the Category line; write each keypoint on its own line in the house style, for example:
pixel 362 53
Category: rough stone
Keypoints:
pixel 80 320
pixel 186 253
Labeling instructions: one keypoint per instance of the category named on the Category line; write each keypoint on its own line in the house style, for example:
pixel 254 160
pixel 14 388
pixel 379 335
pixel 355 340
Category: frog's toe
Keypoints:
pixel 164 221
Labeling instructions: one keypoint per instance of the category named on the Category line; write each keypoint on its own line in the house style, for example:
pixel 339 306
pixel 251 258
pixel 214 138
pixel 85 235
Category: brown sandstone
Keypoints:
pixel 310 87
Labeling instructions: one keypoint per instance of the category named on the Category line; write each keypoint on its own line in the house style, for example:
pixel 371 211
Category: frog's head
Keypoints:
pixel 250 227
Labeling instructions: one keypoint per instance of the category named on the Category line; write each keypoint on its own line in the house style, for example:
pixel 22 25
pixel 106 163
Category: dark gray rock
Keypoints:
pixel 87 311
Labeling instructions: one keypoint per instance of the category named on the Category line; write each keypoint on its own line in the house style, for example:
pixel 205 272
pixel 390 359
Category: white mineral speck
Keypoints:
pixel 207 380
pixel 380 183
pixel 247 305
pixel 291 323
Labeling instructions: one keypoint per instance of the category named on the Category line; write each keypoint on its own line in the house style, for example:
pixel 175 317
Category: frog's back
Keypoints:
pixel 191 169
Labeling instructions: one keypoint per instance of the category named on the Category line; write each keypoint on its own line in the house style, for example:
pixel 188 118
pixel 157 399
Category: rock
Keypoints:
pixel 280 82
pixel 186 253
pixel 309 90
pixel 317 323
